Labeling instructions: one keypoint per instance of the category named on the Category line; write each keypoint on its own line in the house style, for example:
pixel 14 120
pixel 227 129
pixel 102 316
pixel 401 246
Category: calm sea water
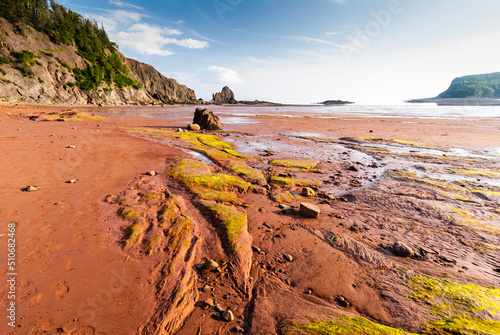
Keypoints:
pixel 233 114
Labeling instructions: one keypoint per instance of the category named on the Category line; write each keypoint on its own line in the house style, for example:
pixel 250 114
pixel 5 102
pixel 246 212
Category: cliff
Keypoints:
pixel 36 69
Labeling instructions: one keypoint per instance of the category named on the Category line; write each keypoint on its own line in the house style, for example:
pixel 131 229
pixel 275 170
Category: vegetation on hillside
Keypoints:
pixel 64 26
pixel 474 86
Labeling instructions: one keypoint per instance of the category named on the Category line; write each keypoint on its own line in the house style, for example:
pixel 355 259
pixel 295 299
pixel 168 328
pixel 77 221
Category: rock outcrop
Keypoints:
pixel 157 86
pixel 206 119
pixel 50 80
pixel 226 96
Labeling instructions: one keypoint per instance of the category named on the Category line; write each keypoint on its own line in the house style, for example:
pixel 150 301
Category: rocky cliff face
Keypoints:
pixel 48 80
pixel 157 86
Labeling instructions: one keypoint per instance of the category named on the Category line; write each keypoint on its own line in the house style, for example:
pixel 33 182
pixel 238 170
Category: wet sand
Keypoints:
pixel 80 273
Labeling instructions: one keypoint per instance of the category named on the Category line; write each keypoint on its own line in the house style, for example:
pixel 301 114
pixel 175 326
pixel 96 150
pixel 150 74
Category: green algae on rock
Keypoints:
pixel 342 325
pixel 233 221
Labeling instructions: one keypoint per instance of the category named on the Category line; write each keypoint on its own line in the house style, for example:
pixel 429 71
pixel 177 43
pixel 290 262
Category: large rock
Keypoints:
pixel 206 119
pixel 309 210
pixel 224 97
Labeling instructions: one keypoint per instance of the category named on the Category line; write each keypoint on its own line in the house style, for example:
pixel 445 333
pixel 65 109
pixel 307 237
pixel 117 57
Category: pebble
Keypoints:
pixel 209 302
pixel 72 181
pixel 401 249
pixel 227 316
pixel 288 257
pixel 31 188
pixel 211 265
pixel 71 147
pixel 353 168
pixel 151 173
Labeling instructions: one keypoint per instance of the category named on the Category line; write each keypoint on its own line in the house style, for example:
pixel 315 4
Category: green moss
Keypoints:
pixel 213 195
pixel 282 197
pixel 475 173
pixel 127 214
pixel 5 80
pixel 168 213
pixel 188 167
pixel 217 181
pixel 152 243
pixel 283 181
pixel 255 176
pixel 457 307
pixel 458 297
pixel 232 220
pixel 132 233
pixel 342 325
pixel 463 325
pixel 296 163
pixel 178 234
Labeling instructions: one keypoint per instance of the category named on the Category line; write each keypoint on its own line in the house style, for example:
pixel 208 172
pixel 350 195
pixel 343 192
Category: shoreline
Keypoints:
pixel 72 239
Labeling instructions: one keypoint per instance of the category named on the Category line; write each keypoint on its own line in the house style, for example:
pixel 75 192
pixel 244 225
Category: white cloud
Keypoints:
pixel 114 19
pixel 315 40
pixel 219 75
pixel 123 4
pixel 330 33
pixel 151 40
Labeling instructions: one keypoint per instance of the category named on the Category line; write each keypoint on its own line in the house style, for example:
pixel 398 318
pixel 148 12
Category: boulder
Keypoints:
pixel 309 210
pixel 401 249
pixel 206 119
pixel 193 127
pixel 224 97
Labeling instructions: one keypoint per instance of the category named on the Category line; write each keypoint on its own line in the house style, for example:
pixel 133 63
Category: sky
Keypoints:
pixel 306 51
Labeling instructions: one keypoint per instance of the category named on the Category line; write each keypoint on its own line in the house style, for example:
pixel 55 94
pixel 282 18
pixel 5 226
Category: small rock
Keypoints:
pixel 342 301
pixel 72 181
pixel 288 257
pixel 256 249
pixel 309 210
pixel 208 288
pixel 209 302
pixel 31 188
pixel 218 308
pixel 309 291
pixel 74 128
pixel 267 187
pixel 227 316
pixel 180 130
pixel 194 127
pixel 151 173
pixel 401 249
pixel 308 192
pixel 353 168
pixel 211 265
pixel 71 147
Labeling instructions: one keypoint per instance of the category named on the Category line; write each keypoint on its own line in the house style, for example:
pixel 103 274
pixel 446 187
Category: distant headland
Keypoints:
pixel 473 90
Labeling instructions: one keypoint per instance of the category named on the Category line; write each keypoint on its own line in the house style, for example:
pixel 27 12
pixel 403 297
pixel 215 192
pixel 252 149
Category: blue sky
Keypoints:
pixel 305 51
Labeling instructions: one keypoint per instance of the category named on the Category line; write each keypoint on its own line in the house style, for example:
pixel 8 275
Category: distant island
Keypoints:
pixel 335 102
pixel 480 89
